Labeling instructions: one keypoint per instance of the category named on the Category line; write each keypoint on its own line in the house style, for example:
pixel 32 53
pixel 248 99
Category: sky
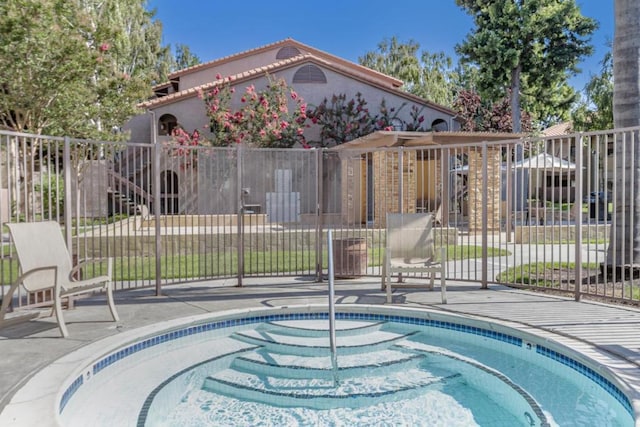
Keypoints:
pixel 346 28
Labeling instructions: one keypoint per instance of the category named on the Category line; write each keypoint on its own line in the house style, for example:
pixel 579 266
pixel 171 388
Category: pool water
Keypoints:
pixel 277 370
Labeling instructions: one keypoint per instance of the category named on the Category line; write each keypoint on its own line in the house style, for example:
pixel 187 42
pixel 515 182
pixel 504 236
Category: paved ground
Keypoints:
pixel 606 333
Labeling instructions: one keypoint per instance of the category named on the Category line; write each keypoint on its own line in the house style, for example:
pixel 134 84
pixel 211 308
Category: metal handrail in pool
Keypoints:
pixel 332 309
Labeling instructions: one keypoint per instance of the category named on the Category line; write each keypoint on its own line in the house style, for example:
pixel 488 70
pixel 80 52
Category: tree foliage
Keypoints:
pixel 425 74
pixel 184 58
pixel 169 62
pixel 43 65
pixel 395 59
pixel 595 110
pixel 341 120
pixel 76 67
pixel 127 42
pixel 527 49
pixel 481 116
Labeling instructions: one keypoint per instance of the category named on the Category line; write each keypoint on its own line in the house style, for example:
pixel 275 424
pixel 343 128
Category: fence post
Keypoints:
pixel 319 210
pixel 485 216
pixel 68 206
pixel 400 180
pixel 68 199
pixel 577 206
pixel 445 177
pixel 156 212
pixel 509 196
pixel 240 215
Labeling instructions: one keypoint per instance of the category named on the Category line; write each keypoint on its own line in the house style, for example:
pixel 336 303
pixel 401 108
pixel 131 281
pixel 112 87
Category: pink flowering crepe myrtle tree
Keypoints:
pixel 341 120
pixel 184 146
pixel 264 118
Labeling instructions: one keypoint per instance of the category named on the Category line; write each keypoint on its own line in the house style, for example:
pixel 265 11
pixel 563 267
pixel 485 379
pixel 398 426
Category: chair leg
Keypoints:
pixel 6 300
pixel 388 285
pixel 57 307
pixel 111 302
pixel 443 287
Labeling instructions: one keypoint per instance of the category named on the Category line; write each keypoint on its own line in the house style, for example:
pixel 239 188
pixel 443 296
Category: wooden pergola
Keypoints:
pixel 484 190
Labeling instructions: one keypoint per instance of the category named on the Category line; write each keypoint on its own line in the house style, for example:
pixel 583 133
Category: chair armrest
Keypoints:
pixel 26 274
pixel 88 261
pixel 8 296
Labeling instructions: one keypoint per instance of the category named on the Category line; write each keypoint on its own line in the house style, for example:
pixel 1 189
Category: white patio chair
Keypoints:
pixel 45 263
pixel 410 249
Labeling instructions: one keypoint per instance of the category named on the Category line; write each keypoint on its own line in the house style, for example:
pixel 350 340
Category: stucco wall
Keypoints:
pixel 139 128
pixel 229 68
pixel 190 112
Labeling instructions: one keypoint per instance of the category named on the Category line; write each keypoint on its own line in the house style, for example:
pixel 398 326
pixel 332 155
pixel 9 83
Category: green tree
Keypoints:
pixel 527 50
pixel 44 65
pixel 395 59
pixel 595 110
pixel 75 68
pixel 624 247
pixel 127 42
pixel 430 76
pixel 184 58
pixel 164 65
pixel 169 62
pixel 437 78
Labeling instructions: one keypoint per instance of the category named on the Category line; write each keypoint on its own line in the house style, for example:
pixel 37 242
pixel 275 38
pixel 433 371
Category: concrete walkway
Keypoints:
pixel 606 333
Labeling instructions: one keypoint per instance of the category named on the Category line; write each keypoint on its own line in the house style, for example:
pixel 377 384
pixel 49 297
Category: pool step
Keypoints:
pixel 324 393
pixel 319 328
pixel 293 366
pixel 276 342
pixel 262 362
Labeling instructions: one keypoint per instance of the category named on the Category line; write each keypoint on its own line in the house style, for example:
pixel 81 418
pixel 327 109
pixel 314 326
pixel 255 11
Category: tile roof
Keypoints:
pixel 291 42
pixel 563 128
pixel 286 63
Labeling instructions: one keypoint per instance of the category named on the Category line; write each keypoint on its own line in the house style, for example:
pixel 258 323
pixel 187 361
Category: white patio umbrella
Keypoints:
pixel 545 161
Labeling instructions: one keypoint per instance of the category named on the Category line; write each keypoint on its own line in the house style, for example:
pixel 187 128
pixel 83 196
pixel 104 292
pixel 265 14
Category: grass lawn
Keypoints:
pixel 543 274
pixel 561 276
pixel 226 263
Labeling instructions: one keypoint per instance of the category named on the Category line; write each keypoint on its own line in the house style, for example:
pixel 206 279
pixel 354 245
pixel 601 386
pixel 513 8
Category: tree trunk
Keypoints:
pixel 514 101
pixel 623 254
pixel 626 69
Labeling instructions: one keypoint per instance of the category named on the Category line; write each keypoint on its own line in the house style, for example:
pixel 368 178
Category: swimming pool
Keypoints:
pixel 207 369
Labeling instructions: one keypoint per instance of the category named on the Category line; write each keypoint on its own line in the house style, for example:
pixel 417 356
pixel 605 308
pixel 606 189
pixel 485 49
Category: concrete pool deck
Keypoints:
pixel 608 334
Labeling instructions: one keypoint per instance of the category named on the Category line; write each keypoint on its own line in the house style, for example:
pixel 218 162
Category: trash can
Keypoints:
pixel 349 257
pixel 598 205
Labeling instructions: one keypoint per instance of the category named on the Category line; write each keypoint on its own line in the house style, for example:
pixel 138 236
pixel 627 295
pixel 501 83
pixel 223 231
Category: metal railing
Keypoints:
pixel 332 309
pixel 557 218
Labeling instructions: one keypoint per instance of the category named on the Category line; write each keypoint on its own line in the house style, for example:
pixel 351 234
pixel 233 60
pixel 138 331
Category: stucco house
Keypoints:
pixel 312 73
pixel 315 75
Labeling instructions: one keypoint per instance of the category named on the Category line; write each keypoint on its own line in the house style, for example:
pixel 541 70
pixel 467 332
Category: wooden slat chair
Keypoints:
pixel 410 249
pixel 45 263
